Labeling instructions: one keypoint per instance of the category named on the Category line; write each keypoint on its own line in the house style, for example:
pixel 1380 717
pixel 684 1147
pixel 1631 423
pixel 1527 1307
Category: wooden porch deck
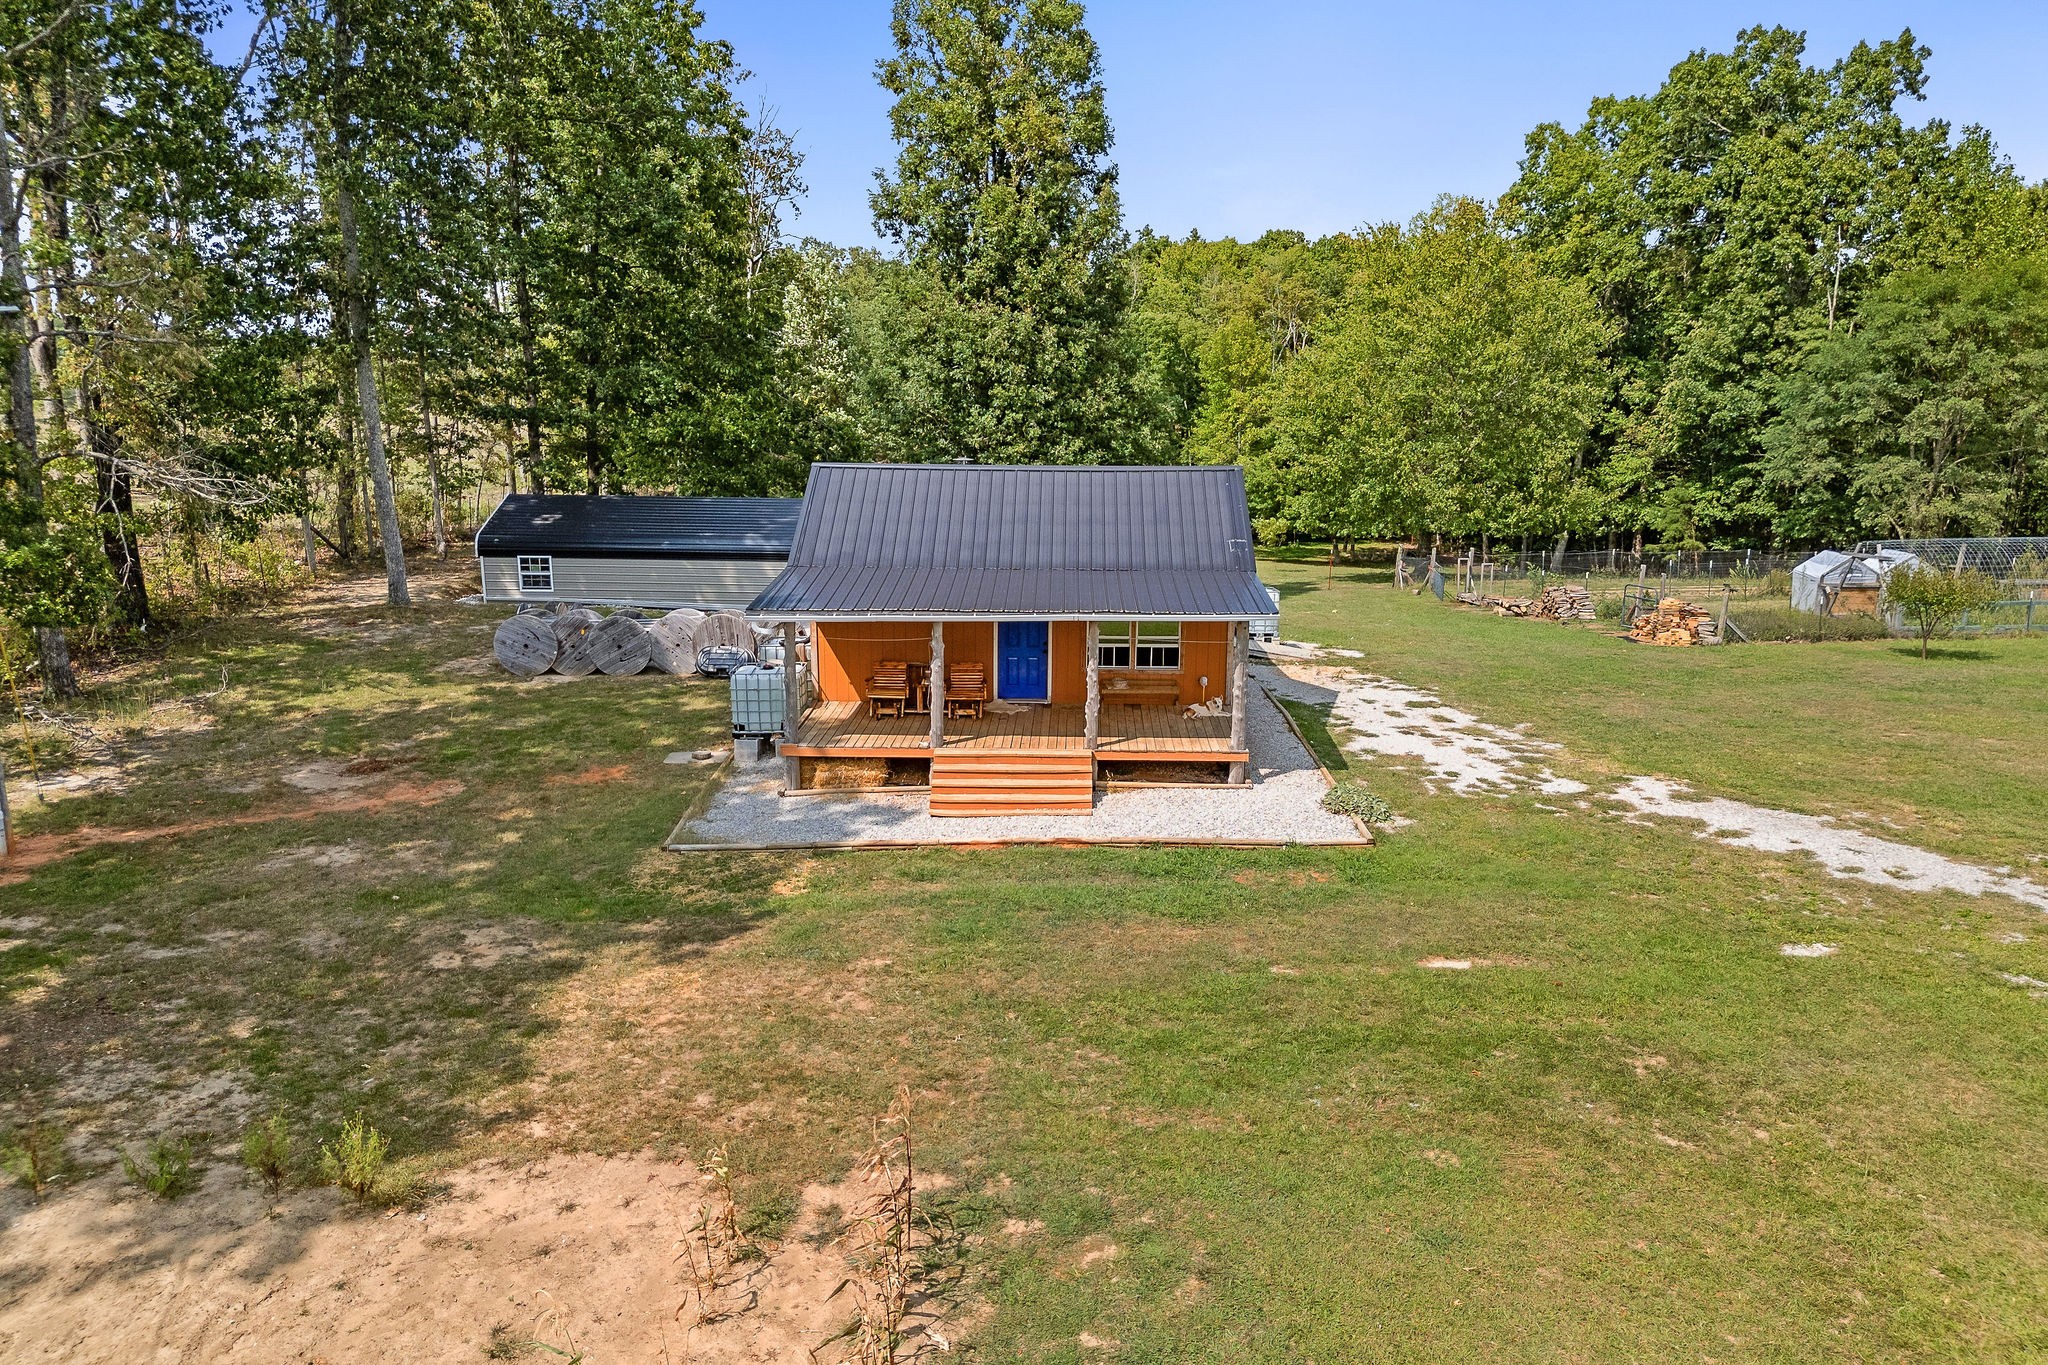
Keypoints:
pixel 1155 733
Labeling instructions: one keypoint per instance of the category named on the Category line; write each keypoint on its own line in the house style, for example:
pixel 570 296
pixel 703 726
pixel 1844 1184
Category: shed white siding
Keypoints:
pixel 636 582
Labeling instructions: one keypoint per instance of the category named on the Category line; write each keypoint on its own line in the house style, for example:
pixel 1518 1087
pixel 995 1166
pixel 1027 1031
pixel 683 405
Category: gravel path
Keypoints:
pixel 1284 802
pixel 1461 753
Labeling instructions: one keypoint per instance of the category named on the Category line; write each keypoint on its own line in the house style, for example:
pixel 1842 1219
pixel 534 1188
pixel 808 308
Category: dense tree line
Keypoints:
pixel 395 256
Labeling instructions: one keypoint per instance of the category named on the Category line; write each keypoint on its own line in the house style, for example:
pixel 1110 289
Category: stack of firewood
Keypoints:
pixel 1675 622
pixel 1565 602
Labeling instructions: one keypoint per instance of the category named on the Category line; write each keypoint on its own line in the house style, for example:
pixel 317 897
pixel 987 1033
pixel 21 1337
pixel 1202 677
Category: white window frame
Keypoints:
pixel 1123 646
pixel 536 573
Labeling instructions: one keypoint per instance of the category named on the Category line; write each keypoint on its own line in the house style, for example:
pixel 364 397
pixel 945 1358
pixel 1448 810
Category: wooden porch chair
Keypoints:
pixel 966 690
pixel 889 688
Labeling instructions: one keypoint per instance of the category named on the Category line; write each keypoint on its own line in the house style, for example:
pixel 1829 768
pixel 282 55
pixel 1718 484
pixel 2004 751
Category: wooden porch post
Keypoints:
pixel 936 692
pixel 1240 648
pixel 792 707
pixel 1092 724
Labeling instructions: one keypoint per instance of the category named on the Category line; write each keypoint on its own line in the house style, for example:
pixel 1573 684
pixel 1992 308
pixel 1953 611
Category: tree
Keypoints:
pixel 653 347
pixel 1721 221
pixel 1935 600
pixel 1927 416
pixel 1451 391
pixel 1012 342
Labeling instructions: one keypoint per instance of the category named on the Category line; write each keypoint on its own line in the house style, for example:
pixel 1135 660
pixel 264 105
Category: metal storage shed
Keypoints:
pixel 623 550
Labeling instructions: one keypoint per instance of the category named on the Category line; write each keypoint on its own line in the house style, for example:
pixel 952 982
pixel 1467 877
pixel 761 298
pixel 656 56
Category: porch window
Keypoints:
pixel 1145 644
pixel 536 573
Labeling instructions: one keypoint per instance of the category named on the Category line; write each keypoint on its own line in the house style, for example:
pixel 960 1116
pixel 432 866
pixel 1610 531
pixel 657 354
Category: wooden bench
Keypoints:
pixel 1140 689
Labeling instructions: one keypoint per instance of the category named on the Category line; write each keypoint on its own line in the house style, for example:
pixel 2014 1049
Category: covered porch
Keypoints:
pixel 841 729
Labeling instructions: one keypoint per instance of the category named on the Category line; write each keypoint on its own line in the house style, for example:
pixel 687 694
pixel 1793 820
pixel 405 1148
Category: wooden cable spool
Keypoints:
pixel 725 628
pixel 525 644
pixel 672 639
pixel 577 657
pixel 569 621
pixel 620 645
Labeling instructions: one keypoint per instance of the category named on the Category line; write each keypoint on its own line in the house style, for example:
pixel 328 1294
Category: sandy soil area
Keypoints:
pixel 573 1254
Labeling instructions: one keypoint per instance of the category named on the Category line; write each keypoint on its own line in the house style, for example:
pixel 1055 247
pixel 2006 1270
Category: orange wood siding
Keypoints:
pixel 848 651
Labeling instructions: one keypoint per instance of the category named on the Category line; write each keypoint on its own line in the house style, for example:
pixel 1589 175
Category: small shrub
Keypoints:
pixel 267 1152
pixel 355 1160
pixel 34 1154
pixel 1934 601
pixel 165 1169
pixel 1609 608
pixel 1351 798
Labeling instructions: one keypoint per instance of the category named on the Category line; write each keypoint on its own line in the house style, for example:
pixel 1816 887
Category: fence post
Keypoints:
pixel 3 808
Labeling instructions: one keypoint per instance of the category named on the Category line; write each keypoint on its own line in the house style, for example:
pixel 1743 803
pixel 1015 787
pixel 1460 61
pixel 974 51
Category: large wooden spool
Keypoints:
pixel 672 639
pixel 620 645
pixel 577 657
pixel 725 628
pixel 568 622
pixel 525 644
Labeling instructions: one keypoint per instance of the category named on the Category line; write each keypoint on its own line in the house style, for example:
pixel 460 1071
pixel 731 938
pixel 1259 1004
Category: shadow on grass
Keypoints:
pixel 1912 651
pixel 1314 724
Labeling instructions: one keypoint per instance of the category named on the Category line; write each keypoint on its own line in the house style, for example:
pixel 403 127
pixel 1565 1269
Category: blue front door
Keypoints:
pixel 1021 650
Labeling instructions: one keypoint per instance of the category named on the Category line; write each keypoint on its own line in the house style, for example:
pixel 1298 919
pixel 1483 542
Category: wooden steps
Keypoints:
pixel 1012 782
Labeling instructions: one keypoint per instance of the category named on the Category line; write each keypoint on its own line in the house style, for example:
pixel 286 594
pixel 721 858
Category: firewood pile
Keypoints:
pixel 1676 622
pixel 1557 603
pixel 1564 602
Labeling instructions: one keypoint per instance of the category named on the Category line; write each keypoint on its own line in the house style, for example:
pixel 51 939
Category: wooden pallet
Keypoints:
pixel 1012 782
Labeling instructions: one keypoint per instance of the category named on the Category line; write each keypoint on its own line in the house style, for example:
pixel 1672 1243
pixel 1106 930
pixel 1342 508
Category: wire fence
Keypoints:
pixel 2020 558
pixel 1742 570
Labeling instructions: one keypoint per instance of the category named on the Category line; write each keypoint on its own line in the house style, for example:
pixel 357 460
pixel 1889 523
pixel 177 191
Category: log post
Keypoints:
pixel 792 707
pixel 1091 724
pixel 1240 648
pixel 935 691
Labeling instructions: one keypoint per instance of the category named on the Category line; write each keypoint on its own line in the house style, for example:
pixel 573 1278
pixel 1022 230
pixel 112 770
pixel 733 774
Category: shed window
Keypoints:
pixel 536 573
pixel 1146 644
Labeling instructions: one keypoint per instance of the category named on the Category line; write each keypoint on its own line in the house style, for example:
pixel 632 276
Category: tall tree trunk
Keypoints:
pixel 345 485
pixel 366 397
pixel 116 507
pixel 52 650
pixel 360 303
pixel 522 295
pixel 433 462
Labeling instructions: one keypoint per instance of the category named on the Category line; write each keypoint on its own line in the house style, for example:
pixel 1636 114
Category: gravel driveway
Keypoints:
pixel 1284 802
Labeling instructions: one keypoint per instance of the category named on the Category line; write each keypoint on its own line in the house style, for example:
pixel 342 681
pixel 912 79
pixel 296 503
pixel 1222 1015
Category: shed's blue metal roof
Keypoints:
pixel 1025 540
pixel 627 526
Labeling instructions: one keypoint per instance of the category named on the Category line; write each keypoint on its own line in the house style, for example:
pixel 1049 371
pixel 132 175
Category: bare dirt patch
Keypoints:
pixel 513 1261
pixel 39 850
pixel 592 777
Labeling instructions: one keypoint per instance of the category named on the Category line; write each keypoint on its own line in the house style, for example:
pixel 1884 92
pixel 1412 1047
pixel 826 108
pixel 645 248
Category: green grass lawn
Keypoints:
pixel 1947 752
pixel 1204 1104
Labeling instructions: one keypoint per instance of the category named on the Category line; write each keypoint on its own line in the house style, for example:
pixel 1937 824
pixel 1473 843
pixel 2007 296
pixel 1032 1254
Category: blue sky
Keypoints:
pixel 1234 118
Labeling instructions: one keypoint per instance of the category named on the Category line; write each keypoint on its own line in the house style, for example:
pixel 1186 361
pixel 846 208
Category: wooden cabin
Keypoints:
pixel 633 551
pixel 1021 630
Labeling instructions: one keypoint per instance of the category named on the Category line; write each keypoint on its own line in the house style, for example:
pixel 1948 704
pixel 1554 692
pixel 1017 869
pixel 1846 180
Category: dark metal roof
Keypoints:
pixel 1021 540
pixel 631 527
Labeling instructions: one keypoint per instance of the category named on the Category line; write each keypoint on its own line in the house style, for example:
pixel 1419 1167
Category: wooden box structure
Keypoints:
pixel 1107 610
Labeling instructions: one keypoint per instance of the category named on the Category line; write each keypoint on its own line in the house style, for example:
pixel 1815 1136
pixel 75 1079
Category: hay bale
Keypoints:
pixel 842 774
